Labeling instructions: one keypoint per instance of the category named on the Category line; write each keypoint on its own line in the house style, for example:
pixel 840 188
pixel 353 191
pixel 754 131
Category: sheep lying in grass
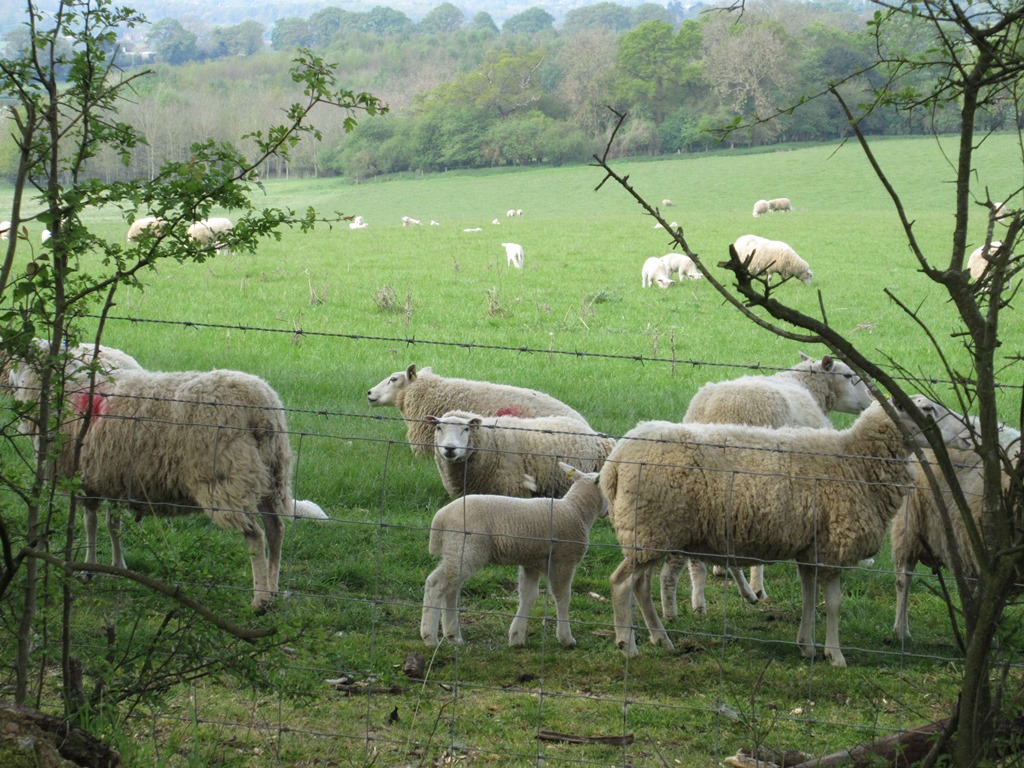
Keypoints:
pixel 760 208
pixel 544 537
pixel 666 203
pixel 418 394
pixel 211 232
pixel 514 254
pixel 177 443
pixel 780 204
pixel 980 257
pixel 409 221
pixel 512 456
pixel 655 272
pixel 772 257
pixel 682 265
pixel 151 224
pixel 358 222
pixel 918 534
pixel 799 397
pixel 739 494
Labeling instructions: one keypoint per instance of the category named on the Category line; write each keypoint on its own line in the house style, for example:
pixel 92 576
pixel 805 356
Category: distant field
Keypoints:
pixel 334 312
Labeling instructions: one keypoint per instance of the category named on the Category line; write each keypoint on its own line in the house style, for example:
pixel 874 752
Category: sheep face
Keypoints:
pixel 386 393
pixel 949 424
pixel 806 276
pixel 851 391
pixel 453 437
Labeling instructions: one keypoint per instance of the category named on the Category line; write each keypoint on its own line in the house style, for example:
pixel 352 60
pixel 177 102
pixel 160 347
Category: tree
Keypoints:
pixel 49 293
pixel 326 25
pixel 972 60
pixel 444 19
pixel 172 43
pixel 386 21
pixel 649 66
pixel 587 59
pixel 611 16
pixel 244 39
pixel 291 34
pixel 529 22
pixel 482 20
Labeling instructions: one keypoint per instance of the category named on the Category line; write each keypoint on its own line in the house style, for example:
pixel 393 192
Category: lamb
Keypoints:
pixel 358 222
pixel 666 203
pixel 655 272
pixel 918 534
pixel 150 224
pixel 512 456
pixel 682 265
pixel 211 232
pixel 472 229
pixel 418 394
pixel 798 397
pixel 174 443
pixel 979 259
pixel 760 208
pixel 780 204
pixel 514 254
pixel 409 221
pixel 542 536
pixel 495 221
pixel 772 257
pixel 680 488
pixel 519 211
pixel 45 235
pixel 510 213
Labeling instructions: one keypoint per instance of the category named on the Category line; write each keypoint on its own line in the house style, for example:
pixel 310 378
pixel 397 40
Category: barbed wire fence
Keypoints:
pixel 373 694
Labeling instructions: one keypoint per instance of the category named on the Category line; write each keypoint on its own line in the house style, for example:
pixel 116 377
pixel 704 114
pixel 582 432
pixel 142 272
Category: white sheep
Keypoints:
pixel 495 221
pixel 409 221
pixel 358 222
pixel 519 211
pixel 472 229
pixel 772 257
pixel 780 204
pixel 1002 214
pixel 5 230
pixel 666 203
pixel 510 213
pixel 211 231
pixel 176 443
pixel 655 272
pixel 760 208
pixel 434 223
pixel 738 494
pixel 418 394
pixel 512 456
pixel 45 235
pixel 150 224
pixel 918 534
pixel 682 265
pixel 514 254
pixel 673 225
pixel 980 257
pixel 799 397
pixel 544 537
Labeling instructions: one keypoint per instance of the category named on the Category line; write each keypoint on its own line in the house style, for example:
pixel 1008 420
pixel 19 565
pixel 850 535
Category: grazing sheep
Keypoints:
pixel 512 456
pixel 176 443
pixel 798 397
pixel 150 224
pixel 434 223
pixel 682 265
pixel 760 208
pixel 772 257
pixel 980 257
pixel 1002 214
pixel 740 494
pixel 409 221
pixel 515 255
pixel 45 235
pixel 918 534
pixel 211 232
pixel 655 272
pixel 666 203
pixel 510 213
pixel 780 204
pixel 418 394
pixel 495 221
pixel 519 211
pixel 544 537
pixel 673 225
pixel 358 222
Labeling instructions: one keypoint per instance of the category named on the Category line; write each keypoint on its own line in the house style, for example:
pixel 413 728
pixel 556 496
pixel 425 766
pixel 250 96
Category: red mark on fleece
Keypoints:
pixel 96 405
pixel 510 410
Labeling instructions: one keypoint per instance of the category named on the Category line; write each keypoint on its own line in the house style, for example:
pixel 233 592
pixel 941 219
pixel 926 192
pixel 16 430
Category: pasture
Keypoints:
pixel 324 316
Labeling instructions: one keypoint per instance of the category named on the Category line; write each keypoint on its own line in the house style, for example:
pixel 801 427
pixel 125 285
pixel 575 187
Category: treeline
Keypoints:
pixel 464 94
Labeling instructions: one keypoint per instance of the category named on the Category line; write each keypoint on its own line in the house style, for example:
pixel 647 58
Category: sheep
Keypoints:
pixel 1002 214
pixel 772 257
pixel 510 213
pixel 682 265
pixel 514 253
pixel 519 211
pixel 740 494
pixel 780 204
pixel 655 272
pixel 542 536
pixel 666 203
pixel 512 456
pixel 45 235
pixel 418 394
pixel 210 232
pixel 175 443
pixel 673 225
pixel 150 224
pixel 798 397
pixel 760 208
pixel 434 223
pixel 358 222
pixel 918 534
pixel 979 259
pixel 409 221
pixel 472 229
pixel 495 221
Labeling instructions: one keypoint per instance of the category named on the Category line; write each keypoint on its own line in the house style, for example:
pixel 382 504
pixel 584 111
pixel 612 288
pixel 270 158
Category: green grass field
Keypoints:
pixel 325 316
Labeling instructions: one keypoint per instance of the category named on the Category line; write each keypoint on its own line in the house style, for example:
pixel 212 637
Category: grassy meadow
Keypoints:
pixel 325 316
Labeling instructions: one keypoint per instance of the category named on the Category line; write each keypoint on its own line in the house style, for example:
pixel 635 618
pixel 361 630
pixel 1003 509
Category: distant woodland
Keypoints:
pixel 466 93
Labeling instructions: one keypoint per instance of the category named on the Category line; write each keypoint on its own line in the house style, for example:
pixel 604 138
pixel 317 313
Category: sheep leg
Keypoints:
pixel 757 582
pixel 698 578
pixel 114 529
pixel 529 589
pixel 831 585
pixel 669 582
pixel 746 592
pixel 809 588
pixel 450 613
pixel 89 515
pixel 432 595
pixel 257 545
pixel 622 606
pixel 561 586
pixel 904 576
pixel 273 531
pixel 642 592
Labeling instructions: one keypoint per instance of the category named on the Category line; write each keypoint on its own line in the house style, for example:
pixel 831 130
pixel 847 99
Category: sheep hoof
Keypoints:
pixel 569 642
pixel 430 640
pixel 263 607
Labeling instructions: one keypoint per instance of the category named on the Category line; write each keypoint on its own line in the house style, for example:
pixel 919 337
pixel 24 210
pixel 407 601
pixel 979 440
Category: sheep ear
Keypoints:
pixel 804 358
pixel 568 469
pixel 410 372
pixel 432 420
pixel 827 363
pixel 476 421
